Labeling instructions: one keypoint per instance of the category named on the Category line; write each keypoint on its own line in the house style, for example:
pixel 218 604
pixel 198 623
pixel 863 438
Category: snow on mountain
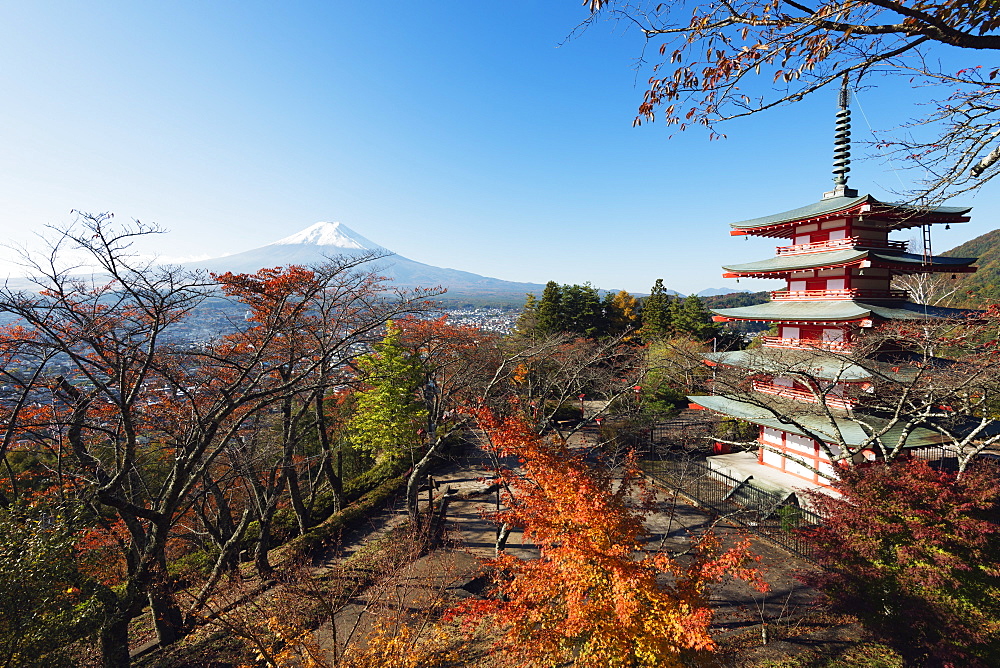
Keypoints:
pixel 329 234
pixel 322 241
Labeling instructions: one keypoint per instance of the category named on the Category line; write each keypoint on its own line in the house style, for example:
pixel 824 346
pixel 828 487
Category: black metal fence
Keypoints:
pixel 776 517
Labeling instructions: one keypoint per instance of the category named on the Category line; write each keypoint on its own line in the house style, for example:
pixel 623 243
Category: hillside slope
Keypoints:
pixel 973 289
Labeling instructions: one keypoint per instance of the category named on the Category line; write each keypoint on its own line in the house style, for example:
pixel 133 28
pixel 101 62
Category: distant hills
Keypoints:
pixel 318 242
pixel 973 289
pixel 321 241
pixel 324 240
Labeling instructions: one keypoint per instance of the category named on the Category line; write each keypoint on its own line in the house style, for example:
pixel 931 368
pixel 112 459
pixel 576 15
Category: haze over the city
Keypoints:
pixel 483 137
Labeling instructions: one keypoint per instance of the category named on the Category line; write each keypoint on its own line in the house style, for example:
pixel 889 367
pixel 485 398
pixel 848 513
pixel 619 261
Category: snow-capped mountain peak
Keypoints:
pixel 336 235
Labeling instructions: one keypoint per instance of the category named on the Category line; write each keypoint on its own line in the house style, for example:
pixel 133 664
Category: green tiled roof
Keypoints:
pixel 820 208
pixel 782 263
pixel 835 204
pixel 816 363
pixel 796 262
pixel 853 433
pixel 846 309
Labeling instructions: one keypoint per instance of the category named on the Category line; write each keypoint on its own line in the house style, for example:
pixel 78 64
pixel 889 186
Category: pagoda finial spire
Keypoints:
pixel 842 145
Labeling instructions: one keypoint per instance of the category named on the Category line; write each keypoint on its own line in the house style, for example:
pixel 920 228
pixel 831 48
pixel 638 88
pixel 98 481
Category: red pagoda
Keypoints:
pixel 838 268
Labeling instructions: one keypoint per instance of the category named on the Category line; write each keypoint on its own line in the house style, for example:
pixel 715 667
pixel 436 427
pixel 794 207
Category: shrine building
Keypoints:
pixel 837 267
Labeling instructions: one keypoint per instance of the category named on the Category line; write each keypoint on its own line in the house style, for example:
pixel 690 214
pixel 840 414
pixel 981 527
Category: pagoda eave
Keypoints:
pixel 840 311
pixel 866 208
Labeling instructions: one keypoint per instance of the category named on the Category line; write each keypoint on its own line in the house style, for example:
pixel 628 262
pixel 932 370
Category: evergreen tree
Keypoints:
pixel 527 322
pixel 689 317
pixel 582 312
pixel 549 313
pixel 655 312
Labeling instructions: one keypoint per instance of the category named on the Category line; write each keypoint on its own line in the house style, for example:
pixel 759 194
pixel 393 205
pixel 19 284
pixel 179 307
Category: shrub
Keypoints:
pixel 914 553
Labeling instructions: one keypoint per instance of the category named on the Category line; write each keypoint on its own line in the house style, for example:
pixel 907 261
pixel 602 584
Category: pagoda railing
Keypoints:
pixel 830 400
pixel 840 244
pixel 843 293
pixel 781 342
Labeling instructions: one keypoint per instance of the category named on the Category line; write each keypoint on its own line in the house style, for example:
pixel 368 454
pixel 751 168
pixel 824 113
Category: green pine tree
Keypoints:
pixel 656 312
pixel 527 322
pixel 689 317
pixel 582 310
pixel 550 319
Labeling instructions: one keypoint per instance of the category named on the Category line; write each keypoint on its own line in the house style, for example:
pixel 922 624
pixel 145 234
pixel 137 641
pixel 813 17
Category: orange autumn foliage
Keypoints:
pixel 597 595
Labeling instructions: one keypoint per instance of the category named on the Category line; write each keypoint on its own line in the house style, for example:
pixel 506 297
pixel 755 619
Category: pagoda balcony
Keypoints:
pixel 843 293
pixel 831 400
pixel 804 344
pixel 840 244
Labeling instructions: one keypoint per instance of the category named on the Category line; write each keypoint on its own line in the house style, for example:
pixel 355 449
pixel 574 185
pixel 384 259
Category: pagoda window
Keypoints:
pixel 796 285
pixel 833 334
pixel 838 234
pixel 835 284
pixel 789 332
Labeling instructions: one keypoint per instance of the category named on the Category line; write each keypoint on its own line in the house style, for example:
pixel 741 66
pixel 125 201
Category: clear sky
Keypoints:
pixel 464 134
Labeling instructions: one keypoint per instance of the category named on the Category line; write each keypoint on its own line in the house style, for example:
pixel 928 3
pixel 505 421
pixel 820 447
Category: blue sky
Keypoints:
pixel 464 134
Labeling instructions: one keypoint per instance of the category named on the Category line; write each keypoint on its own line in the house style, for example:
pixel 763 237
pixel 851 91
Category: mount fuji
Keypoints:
pixel 320 241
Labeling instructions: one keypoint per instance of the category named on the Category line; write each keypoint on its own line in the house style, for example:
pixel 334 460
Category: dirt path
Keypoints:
pixel 453 572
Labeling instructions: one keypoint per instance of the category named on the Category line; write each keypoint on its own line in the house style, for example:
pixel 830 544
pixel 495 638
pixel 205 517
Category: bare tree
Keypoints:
pixel 707 58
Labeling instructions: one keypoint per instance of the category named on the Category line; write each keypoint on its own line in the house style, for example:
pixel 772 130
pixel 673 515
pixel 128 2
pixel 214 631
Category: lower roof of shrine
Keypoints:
pixel 908 262
pixel 838 312
pixel 818 424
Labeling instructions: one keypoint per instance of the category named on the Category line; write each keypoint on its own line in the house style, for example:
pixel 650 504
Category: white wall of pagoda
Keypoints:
pixel 793 451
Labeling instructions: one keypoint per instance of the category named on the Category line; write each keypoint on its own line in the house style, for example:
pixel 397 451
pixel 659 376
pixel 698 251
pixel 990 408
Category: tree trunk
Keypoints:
pixel 168 620
pixel 334 478
pixel 260 560
pixel 114 642
pixel 295 494
pixel 413 484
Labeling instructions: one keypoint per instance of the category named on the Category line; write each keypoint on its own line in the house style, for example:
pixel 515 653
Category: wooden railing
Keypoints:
pixel 843 293
pixel 781 342
pixel 832 401
pixel 839 244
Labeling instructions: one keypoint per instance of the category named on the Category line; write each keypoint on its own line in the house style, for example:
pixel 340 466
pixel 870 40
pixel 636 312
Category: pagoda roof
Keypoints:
pixel 836 311
pixel 903 215
pixel 780 264
pixel 899 365
pixel 821 425
pixel 821 364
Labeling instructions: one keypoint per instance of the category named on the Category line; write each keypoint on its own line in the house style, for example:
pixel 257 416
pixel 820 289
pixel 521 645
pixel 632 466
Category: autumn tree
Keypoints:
pixel 622 312
pixel 457 361
pixel 710 51
pixel 139 427
pixel 597 595
pixel 914 552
